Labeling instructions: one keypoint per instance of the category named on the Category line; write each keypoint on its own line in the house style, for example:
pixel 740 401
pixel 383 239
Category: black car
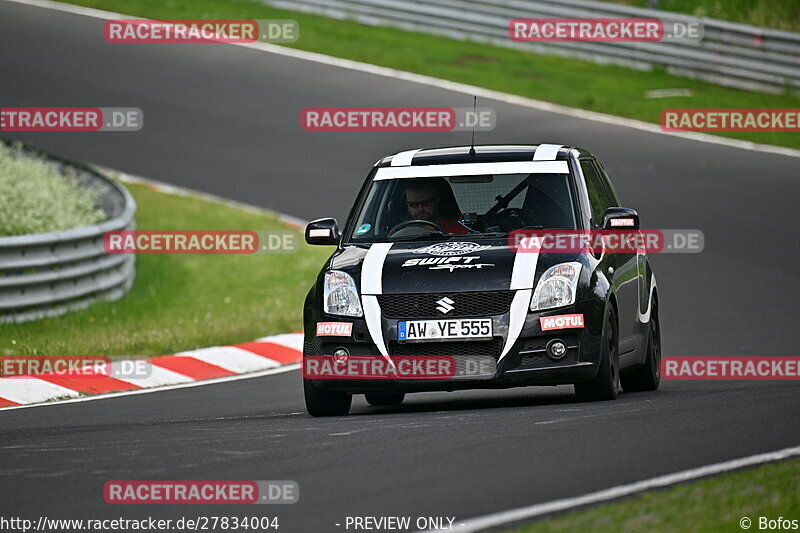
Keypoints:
pixel 424 267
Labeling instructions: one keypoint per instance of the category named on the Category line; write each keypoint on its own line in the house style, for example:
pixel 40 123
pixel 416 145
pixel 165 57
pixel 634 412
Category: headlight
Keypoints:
pixel 557 288
pixel 341 296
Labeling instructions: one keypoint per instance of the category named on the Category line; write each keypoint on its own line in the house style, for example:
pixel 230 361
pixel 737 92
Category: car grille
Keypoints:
pixel 473 359
pixel 453 349
pixel 464 304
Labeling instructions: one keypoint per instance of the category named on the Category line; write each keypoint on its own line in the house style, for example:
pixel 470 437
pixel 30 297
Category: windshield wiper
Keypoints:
pixel 490 234
pixel 505 233
pixel 428 235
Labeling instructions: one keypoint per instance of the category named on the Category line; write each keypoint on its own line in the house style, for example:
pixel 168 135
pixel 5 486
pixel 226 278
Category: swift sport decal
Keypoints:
pixel 448 249
pixel 561 322
pixel 447 263
pixel 452 267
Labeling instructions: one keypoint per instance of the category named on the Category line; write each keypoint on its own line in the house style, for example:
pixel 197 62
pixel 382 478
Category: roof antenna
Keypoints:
pixel 472 144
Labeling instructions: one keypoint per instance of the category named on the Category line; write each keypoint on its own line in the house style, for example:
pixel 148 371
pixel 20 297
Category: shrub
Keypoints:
pixel 36 198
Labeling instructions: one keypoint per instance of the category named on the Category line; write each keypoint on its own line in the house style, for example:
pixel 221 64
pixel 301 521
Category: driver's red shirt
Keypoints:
pixel 451 226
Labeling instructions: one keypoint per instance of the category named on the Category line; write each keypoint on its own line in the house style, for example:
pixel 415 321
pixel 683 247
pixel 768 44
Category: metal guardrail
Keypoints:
pixel 731 54
pixel 48 274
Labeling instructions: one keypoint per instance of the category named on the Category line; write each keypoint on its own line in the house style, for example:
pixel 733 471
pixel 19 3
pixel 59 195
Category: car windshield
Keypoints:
pixel 476 205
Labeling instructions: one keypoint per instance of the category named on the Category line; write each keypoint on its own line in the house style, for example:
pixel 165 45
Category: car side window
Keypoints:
pixel 609 187
pixel 598 197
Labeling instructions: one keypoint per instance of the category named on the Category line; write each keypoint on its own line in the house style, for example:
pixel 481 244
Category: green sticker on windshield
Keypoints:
pixel 363 229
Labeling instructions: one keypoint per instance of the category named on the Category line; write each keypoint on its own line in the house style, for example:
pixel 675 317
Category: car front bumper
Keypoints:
pixel 527 361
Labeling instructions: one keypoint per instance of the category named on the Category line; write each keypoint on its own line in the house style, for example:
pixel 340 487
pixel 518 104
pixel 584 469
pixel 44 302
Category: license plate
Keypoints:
pixel 425 330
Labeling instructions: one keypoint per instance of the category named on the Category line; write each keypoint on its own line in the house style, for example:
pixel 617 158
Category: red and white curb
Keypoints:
pixel 183 367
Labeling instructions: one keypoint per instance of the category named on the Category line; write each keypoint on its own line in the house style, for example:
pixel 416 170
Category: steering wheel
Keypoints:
pixel 417 222
pixel 510 218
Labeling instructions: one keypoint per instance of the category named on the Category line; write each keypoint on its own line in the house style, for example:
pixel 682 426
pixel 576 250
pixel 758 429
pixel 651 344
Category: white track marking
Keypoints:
pixel 168 188
pixel 237 377
pixel 25 390
pixel 231 358
pixel 290 340
pixel 462 88
pixel 533 511
pixel 156 376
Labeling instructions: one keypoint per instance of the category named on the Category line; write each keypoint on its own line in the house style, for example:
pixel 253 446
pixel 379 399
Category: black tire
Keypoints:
pixel 648 377
pixel 325 403
pixel 385 398
pixel 605 385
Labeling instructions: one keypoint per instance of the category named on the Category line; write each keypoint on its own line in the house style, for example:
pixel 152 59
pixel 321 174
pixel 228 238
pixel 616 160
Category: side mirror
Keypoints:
pixel 620 218
pixel 323 231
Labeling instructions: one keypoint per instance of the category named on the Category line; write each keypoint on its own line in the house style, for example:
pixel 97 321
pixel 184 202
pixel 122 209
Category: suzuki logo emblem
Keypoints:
pixel 445 305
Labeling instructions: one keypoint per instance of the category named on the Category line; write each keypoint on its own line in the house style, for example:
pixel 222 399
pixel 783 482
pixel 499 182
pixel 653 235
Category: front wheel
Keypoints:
pixel 605 385
pixel 648 377
pixel 385 398
pixel 325 403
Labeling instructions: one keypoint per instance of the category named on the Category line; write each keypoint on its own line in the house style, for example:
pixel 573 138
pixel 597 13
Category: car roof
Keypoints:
pixel 494 153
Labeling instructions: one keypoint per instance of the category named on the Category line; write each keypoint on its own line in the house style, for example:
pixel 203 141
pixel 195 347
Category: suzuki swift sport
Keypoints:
pixel 424 268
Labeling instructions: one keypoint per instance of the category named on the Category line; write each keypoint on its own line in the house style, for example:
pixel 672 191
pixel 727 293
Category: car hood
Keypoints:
pixel 447 266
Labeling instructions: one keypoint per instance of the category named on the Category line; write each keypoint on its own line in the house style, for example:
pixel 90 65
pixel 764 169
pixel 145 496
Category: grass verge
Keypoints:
pixel 708 506
pixel 181 302
pixel 36 198
pixel 607 89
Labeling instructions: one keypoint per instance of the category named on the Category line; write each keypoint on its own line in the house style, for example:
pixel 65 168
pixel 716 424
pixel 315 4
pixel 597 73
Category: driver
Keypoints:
pixel 422 200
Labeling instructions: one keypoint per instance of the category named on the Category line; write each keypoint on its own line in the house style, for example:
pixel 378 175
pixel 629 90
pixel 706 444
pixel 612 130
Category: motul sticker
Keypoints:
pixel 621 222
pixel 561 322
pixel 334 329
pixel 319 232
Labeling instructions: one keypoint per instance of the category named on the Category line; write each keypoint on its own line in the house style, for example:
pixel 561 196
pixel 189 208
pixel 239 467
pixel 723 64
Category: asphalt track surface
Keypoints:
pixel 225 120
